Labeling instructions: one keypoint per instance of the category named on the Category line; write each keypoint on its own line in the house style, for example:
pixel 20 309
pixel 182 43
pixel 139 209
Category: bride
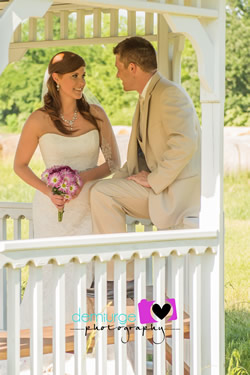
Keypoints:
pixel 69 131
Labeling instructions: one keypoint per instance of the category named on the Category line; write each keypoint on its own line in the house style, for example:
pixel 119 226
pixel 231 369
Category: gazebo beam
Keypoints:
pixel 149 6
pixel 73 42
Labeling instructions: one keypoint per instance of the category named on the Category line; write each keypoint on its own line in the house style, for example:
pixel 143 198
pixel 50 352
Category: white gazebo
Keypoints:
pixel 187 264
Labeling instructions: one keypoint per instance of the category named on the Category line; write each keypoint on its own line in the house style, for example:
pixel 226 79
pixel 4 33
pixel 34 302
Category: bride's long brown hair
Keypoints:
pixel 61 63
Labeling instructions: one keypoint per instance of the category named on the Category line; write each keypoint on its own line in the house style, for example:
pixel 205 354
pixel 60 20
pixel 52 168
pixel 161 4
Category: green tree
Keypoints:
pixel 21 82
pixel 237 101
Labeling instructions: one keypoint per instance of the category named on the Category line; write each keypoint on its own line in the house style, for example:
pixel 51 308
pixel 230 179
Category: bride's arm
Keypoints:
pixel 26 147
pixel 108 146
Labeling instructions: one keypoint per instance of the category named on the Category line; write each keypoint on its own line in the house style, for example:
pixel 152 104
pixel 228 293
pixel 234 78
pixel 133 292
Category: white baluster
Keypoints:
pixel 64 25
pixel 149 270
pixel 159 297
pixel 131 23
pixel 195 313
pixel 31 229
pixel 18 34
pixel 3 228
pixel 120 308
pixel 140 293
pixel 3 285
pixel 80 24
pixel 17 228
pixel 97 23
pixel 114 27
pixel 17 236
pixel 36 343
pixel 3 299
pixel 101 308
pixel 149 24
pixel 49 26
pixel 13 321
pixel 59 320
pixel 177 325
pixel 32 29
pixel 80 304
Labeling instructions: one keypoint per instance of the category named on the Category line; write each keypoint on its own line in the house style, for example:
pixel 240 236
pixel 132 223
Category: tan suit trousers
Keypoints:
pixel 110 201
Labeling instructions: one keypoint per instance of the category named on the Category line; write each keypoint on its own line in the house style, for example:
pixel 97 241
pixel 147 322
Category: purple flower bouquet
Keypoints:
pixel 64 181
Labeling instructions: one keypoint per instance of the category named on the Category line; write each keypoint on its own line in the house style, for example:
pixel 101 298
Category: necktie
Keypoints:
pixel 141 101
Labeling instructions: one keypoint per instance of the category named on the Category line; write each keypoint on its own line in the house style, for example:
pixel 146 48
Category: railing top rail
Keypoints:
pixel 123 245
pixel 15 205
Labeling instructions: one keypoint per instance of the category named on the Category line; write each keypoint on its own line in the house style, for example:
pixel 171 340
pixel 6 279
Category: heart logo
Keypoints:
pixel 161 312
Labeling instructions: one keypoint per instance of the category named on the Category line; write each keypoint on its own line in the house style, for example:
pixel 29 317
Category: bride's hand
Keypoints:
pixel 76 194
pixel 57 200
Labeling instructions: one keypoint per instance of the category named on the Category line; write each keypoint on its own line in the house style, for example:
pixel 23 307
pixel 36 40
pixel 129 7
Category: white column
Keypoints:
pixel 101 308
pixel 59 320
pixel 80 306
pixel 3 284
pixel 195 313
pixel 140 293
pixel 13 321
pixel 159 297
pixel 36 339
pixel 177 325
pixel 120 308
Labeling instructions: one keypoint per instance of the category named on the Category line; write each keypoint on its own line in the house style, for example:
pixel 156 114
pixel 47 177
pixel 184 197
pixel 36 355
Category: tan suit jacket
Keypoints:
pixel 171 145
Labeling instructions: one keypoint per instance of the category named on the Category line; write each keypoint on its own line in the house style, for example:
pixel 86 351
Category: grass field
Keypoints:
pixel 237 264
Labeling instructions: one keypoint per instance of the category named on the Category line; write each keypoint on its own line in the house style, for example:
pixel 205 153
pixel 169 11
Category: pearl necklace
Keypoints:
pixel 70 122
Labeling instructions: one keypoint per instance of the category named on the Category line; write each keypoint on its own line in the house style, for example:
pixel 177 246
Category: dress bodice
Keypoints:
pixel 79 152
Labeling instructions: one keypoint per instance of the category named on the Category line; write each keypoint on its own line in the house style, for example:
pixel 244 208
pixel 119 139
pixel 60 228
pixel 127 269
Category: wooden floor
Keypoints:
pixel 69 336
pixel 70 332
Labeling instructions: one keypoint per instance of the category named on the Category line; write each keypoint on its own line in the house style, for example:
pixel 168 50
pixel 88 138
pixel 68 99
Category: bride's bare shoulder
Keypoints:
pixel 39 116
pixel 38 121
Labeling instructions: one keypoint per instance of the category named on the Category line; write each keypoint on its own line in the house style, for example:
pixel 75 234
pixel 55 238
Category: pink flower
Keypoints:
pixel 72 189
pixel 63 187
pixel 63 180
pixel 54 179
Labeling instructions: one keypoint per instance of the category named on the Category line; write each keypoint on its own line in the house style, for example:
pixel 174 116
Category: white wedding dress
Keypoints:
pixel 80 153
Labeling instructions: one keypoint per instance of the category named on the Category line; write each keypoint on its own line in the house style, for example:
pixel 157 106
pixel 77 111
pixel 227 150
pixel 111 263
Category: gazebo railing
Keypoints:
pixel 165 248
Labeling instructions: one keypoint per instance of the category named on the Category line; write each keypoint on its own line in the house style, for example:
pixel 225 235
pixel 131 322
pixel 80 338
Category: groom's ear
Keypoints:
pixel 132 67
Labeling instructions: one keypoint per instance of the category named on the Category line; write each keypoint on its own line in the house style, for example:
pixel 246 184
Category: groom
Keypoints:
pixel 161 178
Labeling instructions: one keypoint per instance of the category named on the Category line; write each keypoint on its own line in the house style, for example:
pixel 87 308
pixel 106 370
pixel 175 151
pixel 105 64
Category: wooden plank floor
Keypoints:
pixel 69 335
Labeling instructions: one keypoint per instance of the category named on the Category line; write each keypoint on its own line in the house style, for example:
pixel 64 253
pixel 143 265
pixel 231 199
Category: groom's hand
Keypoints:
pixel 140 178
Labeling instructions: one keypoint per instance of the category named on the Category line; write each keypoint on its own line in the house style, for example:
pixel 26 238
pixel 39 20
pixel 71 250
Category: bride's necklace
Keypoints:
pixel 70 122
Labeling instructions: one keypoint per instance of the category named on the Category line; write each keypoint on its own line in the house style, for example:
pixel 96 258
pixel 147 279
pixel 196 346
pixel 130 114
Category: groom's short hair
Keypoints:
pixel 137 50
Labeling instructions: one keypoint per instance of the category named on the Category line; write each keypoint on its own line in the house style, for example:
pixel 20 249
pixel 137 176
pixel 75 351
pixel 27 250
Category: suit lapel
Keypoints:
pixel 132 157
pixel 146 108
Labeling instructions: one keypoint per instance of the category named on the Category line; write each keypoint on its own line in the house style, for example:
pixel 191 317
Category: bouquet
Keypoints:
pixel 64 181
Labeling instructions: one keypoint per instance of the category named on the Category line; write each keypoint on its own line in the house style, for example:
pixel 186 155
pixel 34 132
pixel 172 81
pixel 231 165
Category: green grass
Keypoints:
pixel 237 273
pixel 237 250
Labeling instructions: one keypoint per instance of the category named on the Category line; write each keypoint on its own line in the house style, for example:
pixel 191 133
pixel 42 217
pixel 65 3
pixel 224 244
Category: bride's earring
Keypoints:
pixel 57 87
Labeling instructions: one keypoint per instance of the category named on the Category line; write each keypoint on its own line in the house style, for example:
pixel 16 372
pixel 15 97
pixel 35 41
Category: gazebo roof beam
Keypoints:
pixel 73 42
pixel 147 6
